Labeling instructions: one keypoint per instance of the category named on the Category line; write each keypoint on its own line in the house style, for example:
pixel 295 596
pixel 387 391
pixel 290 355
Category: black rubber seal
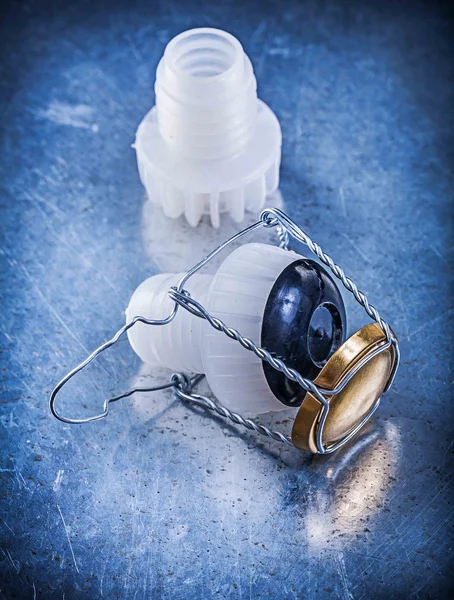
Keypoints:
pixel 303 324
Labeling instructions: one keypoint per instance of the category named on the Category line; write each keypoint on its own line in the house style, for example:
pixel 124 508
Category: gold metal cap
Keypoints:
pixel 352 404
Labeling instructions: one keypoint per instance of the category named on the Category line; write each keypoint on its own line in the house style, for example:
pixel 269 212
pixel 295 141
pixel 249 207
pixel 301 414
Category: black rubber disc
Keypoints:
pixel 303 324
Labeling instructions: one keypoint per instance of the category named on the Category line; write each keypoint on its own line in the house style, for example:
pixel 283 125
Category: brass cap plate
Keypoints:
pixel 353 403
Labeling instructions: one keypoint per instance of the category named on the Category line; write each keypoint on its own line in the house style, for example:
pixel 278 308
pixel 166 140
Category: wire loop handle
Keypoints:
pixel 183 385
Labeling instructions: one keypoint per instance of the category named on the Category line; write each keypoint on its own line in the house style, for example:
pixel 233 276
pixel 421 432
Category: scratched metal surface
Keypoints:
pixel 161 501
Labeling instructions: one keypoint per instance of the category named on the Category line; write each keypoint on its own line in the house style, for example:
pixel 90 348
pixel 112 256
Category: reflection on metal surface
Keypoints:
pixel 173 245
pixel 352 487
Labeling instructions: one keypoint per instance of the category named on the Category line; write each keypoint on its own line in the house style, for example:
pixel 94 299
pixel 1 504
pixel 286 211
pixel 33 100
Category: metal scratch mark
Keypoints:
pixel 8 527
pixel 63 239
pixel 25 384
pixel 57 483
pixel 404 315
pixel 15 567
pixel 8 556
pixel 430 322
pixel 35 197
pixel 438 254
pixel 355 246
pixel 342 201
pixel 19 475
pixel 69 541
pixel 259 30
pixel 51 308
pixel 343 575
pixel 134 49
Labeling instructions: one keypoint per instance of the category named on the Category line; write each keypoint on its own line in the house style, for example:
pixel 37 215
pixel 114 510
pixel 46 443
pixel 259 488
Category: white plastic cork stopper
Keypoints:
pixel 237 294
pixel 209 146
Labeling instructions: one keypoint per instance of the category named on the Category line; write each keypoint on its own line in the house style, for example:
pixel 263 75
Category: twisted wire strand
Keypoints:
pixel 273 217
pixel 236 418
pixel 283 236
pixel 198 310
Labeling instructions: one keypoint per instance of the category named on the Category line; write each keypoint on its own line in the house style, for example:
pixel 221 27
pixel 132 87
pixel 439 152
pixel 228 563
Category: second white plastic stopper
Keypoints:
pixel 209 146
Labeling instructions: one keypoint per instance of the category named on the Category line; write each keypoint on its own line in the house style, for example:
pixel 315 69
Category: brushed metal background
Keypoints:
pixel 161 501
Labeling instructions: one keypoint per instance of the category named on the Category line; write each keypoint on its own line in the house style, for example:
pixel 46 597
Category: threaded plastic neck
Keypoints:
pixel 206 94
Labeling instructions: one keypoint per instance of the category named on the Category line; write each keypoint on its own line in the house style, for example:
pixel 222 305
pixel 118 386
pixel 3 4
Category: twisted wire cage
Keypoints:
pixel 183 385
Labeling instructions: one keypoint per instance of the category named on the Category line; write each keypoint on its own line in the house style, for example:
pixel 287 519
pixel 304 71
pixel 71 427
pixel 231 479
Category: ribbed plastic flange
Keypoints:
pixel 209 146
